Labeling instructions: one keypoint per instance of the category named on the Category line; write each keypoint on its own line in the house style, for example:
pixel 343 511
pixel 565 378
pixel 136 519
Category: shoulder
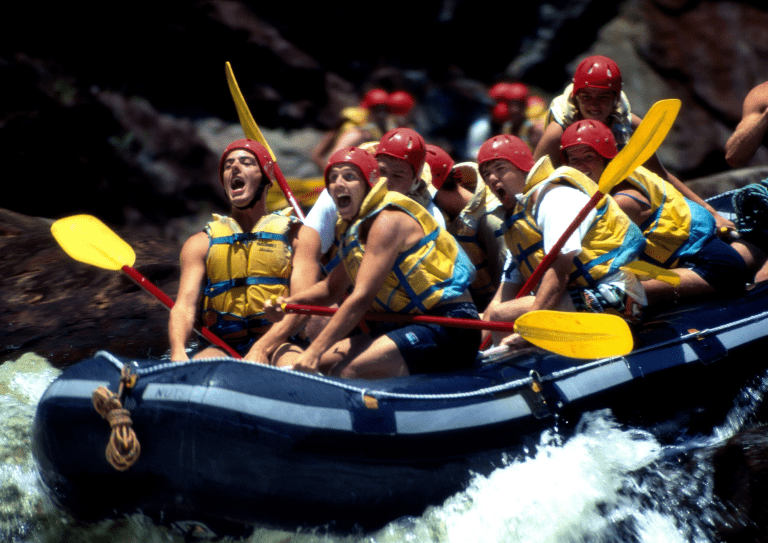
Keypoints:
pixel 391 223
pixel 551 135
pixel 554 129
pixel 195 248
pixel 757 99
pixel 549 141
pixel 393 215
pixel 555 197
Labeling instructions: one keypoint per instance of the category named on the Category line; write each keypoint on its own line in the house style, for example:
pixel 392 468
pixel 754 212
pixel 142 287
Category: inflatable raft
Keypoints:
pixel 228 443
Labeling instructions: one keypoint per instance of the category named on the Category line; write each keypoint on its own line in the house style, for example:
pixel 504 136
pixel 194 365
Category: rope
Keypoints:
pixel 494 389
pixel 751 206
pixel 123 448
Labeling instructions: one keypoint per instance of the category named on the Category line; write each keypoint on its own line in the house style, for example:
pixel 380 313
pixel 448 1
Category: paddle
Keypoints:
pixel 646 270
pixel 253 132
pixel 86 239
pixel 642 145
pixel 576 335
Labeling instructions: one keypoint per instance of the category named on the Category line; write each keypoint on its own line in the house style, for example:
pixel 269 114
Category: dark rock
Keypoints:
pixel 117 105
pixel 65 310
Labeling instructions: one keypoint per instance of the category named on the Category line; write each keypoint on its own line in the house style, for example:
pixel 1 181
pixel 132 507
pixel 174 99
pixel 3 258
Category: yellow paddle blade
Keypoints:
pixel 87 239
pixel 576 335
pixel 642 145
pixel 646 270
pixel 247 121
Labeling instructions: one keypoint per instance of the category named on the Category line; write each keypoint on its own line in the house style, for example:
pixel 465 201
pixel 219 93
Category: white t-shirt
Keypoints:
pixel 436 213
pixel 322 217
pixel 554 212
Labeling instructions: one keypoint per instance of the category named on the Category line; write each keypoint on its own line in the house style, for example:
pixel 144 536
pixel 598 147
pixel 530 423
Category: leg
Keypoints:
pixel 211 352
pixel 691 284
pixel 512 310
pixel 362 357
pixel 359 356
pixel 286 354
pixel 508 311
pixel 754 257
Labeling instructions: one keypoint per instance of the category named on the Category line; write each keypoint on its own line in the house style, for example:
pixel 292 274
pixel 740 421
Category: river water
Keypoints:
pixel 606 483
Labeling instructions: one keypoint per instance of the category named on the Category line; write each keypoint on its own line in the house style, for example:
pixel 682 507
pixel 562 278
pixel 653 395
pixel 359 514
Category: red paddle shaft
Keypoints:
pixel 150 287
pixel 495 326
pixel 287 192
pixel 546 262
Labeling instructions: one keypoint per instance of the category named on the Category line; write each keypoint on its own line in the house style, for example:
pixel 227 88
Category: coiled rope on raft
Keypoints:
pixel 751 206
pixel 123 448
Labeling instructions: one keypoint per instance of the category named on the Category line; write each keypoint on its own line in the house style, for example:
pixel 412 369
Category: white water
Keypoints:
pixel 605 484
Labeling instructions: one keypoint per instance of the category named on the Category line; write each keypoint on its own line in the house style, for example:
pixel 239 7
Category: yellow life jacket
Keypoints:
pixel 611 242
pixel 244 270
pixel 564 112
pixel 677 227
pixel 465 229
pixel 432 271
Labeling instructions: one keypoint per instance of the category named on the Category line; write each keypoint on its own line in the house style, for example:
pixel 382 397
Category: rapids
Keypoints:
pixel 606 483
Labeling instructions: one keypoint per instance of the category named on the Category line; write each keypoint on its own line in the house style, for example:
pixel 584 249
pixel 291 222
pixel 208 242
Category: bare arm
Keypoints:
pixel 549 144
pixel 326 292
pixel 320 152
pixel 751 130
pixel 306 260
pixel 550 295
pixel 305 265
pixel 182 319
pixel 632 202
pixel 493 246
pixel 655 165
pixel 391 233
pixel 351 138
pixel 553 283
pixel 536 134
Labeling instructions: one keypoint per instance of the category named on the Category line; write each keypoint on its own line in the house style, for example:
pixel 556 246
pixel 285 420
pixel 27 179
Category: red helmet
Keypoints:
pixel 374 97
pixel 440 163
pixel 597 72
pixel 507 147
pixel 362 159
pixel 507 92
pixel 401 102
pixel 405 144
pixel 500 112
pixel 259 151
pixel 592 133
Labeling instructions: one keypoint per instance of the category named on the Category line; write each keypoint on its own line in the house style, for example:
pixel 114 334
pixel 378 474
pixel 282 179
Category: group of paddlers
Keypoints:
pixel 403 228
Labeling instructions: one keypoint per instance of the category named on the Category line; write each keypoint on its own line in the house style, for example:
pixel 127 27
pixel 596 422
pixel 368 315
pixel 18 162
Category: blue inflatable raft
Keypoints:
pixel 233 444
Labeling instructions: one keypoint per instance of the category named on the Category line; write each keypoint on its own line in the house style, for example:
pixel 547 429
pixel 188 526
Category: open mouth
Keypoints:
pixel 343 200
pixel 237 185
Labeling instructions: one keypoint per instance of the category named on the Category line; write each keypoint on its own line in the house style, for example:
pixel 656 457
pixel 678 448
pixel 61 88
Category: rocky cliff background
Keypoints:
pixel 121 110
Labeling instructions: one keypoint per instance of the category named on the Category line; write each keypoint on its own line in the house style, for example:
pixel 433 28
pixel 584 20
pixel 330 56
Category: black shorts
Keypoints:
pixel 719 265
pixel 432 348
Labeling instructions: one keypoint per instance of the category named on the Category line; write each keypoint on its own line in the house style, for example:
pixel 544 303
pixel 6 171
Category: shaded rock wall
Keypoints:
pixel 124 100
pixel 65 310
